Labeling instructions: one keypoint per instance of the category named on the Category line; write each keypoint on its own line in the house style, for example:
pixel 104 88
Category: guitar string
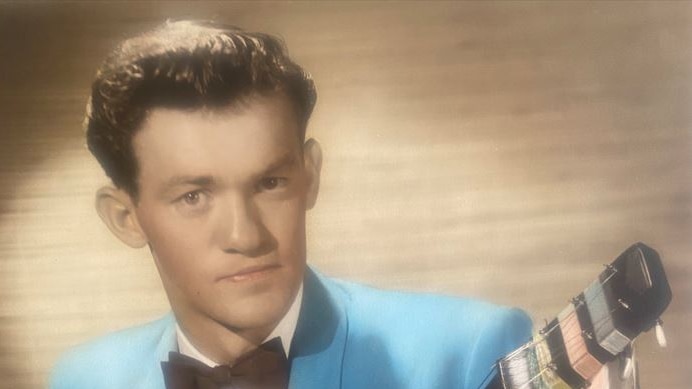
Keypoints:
pixel 535 377
pixel 549 368
pixel 568 341
pixel 551 360
pixel 547 331
pixel 543 335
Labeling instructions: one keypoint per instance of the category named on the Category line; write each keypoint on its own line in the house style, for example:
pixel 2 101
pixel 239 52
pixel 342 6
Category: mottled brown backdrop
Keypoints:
pixel 498 150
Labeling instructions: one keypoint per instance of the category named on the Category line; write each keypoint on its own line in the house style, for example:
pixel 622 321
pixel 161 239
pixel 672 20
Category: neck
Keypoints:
pixel 221 344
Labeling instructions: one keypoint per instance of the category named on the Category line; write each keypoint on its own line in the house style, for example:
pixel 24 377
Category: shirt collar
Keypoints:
pixel 284 330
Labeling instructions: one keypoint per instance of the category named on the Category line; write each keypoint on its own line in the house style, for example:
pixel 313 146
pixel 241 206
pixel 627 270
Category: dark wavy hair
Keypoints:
pixel 187 65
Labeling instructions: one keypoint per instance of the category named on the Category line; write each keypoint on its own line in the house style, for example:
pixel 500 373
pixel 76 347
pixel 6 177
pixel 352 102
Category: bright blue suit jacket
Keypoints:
pixel 348 337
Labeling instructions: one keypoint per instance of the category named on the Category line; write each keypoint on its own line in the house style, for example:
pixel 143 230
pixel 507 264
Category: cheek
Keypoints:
pixel 175 242
pixel 286 223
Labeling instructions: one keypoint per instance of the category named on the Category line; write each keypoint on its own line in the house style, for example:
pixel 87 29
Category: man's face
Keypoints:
pixel 222 201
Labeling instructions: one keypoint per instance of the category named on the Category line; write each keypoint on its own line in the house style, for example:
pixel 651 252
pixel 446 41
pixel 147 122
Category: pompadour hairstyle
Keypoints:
pixel 187 65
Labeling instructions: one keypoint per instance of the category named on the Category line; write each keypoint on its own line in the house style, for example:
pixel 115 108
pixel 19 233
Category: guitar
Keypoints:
pixel 595 330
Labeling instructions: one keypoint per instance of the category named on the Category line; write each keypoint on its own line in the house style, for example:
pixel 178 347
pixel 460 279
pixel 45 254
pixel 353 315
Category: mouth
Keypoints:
pixel 250 273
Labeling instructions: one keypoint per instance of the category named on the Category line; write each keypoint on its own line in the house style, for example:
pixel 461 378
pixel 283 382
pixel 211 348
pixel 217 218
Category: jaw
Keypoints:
pixel 223 332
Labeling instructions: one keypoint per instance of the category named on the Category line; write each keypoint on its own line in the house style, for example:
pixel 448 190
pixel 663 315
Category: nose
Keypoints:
pixel 244 233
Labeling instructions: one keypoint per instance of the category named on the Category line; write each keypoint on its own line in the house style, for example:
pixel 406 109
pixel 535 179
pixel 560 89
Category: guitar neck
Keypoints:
pixel 598 326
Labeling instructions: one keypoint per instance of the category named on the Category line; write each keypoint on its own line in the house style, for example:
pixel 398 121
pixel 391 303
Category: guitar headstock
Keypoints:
pixel 639 283
pixel 600 324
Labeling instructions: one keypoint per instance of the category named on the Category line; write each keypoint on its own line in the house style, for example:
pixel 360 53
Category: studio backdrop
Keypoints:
pixel 503 151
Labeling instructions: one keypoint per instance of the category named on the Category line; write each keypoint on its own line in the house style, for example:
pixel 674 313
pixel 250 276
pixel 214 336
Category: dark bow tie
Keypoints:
pixel 263 368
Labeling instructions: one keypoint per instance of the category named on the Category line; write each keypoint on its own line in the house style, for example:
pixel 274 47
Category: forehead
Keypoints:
pixel 225 141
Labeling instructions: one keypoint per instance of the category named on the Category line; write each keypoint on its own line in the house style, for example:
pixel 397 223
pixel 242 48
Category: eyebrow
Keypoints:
pixel 188 180
pixel 287 159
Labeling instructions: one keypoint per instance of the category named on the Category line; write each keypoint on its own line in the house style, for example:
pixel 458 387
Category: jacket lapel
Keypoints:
pixel 317 349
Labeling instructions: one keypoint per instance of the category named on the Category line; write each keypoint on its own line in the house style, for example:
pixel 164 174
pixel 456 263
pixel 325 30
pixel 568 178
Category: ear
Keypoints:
pixel 312 155
pixel 116 209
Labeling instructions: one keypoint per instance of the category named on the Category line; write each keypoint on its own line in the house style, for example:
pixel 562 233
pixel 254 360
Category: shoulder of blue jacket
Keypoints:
pixel 414 329
pixel 410 311
pixel 112 359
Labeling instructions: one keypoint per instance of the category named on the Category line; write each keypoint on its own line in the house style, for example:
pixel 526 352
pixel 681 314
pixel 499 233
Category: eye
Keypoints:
pixel 272 183
pixel 193 202
pixel 191 198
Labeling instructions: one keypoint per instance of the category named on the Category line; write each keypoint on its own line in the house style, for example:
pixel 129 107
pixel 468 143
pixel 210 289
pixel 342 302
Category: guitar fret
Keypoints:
pixel 549 378
pixel 586 324
pixel 607 334
pixel 579 357
pixel 556 344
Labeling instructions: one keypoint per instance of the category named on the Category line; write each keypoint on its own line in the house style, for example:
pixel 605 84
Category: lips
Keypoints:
pixel 250 273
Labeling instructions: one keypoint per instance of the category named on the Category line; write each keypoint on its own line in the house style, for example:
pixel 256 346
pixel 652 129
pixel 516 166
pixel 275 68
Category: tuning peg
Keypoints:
pixel 660 335
pixel 627 368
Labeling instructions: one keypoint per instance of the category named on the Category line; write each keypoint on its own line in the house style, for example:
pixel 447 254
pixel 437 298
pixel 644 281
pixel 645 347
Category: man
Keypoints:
pixel 201 128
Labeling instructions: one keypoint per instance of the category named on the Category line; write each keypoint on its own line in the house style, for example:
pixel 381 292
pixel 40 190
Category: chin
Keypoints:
pixel 259 311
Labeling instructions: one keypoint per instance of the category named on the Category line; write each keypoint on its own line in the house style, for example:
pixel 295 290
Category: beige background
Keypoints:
pixel 498 150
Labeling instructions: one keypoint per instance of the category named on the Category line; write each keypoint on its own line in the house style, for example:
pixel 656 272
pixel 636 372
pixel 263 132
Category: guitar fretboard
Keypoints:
pixel 595 328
